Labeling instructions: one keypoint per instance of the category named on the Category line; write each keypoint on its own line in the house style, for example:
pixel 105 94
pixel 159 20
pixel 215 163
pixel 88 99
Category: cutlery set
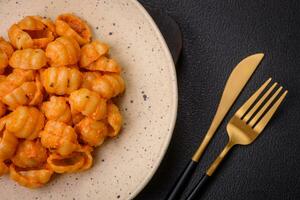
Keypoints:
pixel 243 128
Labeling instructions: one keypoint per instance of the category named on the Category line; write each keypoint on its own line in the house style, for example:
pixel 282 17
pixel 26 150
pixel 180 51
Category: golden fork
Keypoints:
pixel 246 125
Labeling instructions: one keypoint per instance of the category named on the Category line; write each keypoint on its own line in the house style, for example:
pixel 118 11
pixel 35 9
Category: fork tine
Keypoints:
pixel 264 108
pixel 241 112
pixel 259 103
pixel 266 118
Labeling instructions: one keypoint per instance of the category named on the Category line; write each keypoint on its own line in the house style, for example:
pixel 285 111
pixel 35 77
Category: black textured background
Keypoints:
pixel 217 34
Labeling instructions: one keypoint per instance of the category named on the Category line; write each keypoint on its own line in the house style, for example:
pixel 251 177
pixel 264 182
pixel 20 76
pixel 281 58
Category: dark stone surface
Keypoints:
pixel 217 34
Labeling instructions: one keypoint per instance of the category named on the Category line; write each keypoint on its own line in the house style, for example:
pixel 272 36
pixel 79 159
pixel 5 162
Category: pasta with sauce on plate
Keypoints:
pixel 57 90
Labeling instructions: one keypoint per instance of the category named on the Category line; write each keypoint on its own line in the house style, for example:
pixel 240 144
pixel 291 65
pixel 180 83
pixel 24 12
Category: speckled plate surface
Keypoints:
pixel 123 166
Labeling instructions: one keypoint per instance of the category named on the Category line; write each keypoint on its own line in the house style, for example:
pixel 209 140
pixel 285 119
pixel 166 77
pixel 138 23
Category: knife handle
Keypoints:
pixel 194 195
pixel 182 181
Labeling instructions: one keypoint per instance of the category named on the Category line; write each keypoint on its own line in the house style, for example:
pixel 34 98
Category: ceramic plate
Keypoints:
pixel 123 166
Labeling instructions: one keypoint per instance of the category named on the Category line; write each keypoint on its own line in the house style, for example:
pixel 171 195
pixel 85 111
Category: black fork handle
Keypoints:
pixel 195 193
pixel 182 181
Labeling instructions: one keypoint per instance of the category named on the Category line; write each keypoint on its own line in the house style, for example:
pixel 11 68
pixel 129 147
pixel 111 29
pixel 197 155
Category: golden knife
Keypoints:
pixel 235 84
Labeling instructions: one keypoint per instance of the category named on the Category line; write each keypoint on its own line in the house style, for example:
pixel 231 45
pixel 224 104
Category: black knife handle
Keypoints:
pixel 182 181
pixel 195 193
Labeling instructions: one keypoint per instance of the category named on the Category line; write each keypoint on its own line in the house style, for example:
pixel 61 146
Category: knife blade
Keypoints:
pixel 234 86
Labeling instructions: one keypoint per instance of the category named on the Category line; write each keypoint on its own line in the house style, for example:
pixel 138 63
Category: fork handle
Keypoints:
pixel 182 181
pixel 219 159
pixel 198 188
pixel 194 195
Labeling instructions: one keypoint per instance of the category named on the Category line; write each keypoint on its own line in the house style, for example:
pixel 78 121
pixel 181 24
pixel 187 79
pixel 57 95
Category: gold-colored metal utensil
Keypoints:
pixel 247 124
pixel 235 84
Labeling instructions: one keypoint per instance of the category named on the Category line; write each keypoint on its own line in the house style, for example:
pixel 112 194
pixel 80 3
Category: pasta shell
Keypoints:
pixel 59 137
pixel 88 79
pixel 66 164
pixel 57 109
pixel 6 47
pixel 41 31
pixel 8 145
pixel 3 61
pixel 20 76
pixel 108 85
pixel 25 122
pixel 91 52
pixel 6 87
pixel 30 178
pixel 2 78
pixel 38 95
pixel 18 38
pixel 104 64
pixel 72 26
pixel 61 80
pixel 6 50
pixel 3 168
pixel 30 23
pixel 48 23
pixel 114 119
pixel 76 117
pixel 2 109
pixel 63 51
pixel 41 38
pixel 88 158
pixel 29 93
pixel 3 123
pixel 89 103
pixel 30 154
pixel 91 131
pixel 77 161
pixel 28 59
pixel 14 80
